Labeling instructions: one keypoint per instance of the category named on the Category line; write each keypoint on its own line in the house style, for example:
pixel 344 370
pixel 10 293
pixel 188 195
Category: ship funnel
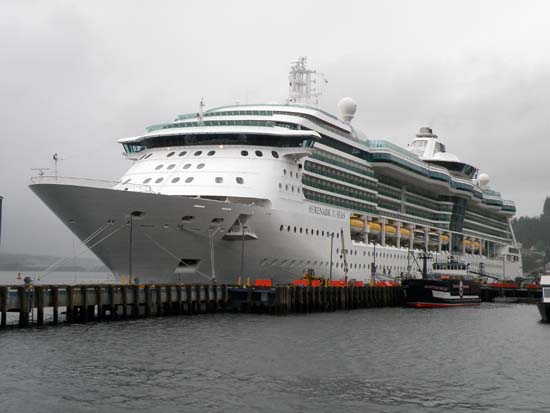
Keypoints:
pixel 426 132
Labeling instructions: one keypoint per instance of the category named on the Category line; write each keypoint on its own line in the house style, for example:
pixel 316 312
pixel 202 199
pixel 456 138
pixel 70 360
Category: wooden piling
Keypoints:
pixel 39 305
pixel 135 301
pixel 99 301
pixel 23 306
pixel 124 293
pixel 84 304
pixel 168 305
pixel 70 304
pixel 179 299
pixel 4 291
pixel 112 305
pixel 148 297
pixel 159 300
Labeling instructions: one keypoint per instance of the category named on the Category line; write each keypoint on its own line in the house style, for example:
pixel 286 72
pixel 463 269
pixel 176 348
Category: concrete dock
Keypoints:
pixel 87 303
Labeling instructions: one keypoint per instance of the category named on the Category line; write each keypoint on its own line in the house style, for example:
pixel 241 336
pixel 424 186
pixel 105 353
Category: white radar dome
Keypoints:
pixel 347 108
pixel 483 179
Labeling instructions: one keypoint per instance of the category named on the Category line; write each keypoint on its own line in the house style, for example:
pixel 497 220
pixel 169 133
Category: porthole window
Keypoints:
pixel 306 231
pixel 288 228
pixel 259 154
pixel 182 153
pixel 170 154
pixel 219 179
pixel 176 179
pixel 281 228
pixel 300 230
pixel 290 173
pixel 280 185
pixel 148 156
pixel 159 180
pixel 159 167
pixel 275 154
pixel 244 153
pixel 126 181
pixel 284 171
pixel 198 153
pixel 190 179
pixel 171 166
pixel 200 166
pixel 211 153
pixel 286 187
pixel 147 181
pixel 239 180
pixel 292 187
pixel 187 166
pixel 294 229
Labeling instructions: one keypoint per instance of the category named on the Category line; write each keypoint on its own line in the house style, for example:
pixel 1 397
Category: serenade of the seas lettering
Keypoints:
pixel 327 212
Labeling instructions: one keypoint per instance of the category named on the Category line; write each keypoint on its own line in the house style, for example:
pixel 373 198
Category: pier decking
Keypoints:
pixel 86 303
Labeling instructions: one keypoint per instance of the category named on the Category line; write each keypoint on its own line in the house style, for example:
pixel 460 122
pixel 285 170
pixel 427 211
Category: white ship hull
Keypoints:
pixel 159 247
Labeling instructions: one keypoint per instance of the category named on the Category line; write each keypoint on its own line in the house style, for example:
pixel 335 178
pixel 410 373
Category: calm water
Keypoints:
pixel 492 358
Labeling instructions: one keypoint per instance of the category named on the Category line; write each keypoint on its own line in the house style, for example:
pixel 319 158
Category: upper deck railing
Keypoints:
pixel 92 183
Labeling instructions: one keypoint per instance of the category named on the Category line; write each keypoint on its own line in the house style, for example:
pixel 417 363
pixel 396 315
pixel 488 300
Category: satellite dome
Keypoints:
pixel 347 108
pixel 483 179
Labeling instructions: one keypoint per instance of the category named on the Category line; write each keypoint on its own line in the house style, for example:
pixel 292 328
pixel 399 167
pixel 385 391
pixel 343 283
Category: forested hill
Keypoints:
pixel 534 235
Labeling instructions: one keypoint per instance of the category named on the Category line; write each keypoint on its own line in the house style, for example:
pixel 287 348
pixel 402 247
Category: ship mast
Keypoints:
pixel 304 84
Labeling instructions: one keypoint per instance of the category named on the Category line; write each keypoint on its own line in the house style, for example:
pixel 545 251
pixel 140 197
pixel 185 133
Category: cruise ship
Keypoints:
pixel 268 190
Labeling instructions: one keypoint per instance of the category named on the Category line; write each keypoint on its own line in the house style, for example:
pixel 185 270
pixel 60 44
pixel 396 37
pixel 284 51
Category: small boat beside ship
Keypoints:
pixel 449 284
pixel 544 303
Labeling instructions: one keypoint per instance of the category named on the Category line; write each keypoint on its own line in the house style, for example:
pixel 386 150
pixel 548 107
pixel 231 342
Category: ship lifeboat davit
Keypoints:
pixel 375 228
pixel 405 233
pixel 357 225
pixel 476 245
pixel 419 236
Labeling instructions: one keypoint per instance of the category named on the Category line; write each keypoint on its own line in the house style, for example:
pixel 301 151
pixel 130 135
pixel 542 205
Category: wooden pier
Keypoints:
pixel 86 303
pixel 511 294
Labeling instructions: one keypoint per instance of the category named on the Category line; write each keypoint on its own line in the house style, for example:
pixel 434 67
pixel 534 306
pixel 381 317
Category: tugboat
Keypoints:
pixel 544 304
pixel 449 284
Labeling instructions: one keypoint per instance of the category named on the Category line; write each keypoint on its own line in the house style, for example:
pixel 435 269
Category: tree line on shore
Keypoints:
pixel 534 235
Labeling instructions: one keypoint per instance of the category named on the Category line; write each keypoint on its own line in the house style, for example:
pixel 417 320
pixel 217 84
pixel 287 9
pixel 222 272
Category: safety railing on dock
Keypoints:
pixel 37 305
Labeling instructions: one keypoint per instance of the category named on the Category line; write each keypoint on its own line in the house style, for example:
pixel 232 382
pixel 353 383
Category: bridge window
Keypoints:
pixel 170 154
pixel 183 153
pixel 159 180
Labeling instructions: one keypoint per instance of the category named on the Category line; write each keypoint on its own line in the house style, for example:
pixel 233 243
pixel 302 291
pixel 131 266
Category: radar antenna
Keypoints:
pixel 305 85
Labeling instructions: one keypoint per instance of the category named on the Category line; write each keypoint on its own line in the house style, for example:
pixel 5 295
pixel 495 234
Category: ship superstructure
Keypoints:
pixel 268 190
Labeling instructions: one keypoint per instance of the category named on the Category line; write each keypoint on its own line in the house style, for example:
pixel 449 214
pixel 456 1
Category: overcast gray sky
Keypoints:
pixel 76 76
